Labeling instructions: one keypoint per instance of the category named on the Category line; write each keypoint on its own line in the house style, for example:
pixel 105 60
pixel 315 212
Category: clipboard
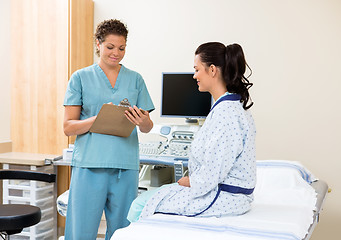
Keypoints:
pixel 112 121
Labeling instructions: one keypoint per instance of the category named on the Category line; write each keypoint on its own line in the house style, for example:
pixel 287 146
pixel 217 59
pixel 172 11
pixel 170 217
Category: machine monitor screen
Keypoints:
pixel 181 97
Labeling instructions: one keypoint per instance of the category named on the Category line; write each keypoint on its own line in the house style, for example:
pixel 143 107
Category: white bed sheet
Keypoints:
pixel 62 202
pixel 283 209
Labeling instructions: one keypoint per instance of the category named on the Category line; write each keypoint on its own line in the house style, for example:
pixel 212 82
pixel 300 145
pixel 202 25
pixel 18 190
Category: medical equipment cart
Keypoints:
pixel 40 194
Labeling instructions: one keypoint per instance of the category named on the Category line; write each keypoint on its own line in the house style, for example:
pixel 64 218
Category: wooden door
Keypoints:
pixel 50 39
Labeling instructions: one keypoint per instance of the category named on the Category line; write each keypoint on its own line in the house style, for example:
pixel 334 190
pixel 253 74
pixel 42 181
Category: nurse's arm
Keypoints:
pixel 147 124
pixel 140 118
pixel 72 124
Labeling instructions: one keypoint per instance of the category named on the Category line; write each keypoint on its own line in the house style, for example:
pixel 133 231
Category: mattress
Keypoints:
pixel 284 208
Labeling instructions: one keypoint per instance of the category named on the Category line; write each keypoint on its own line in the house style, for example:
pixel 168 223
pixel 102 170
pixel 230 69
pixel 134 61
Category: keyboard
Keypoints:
pixel 175 149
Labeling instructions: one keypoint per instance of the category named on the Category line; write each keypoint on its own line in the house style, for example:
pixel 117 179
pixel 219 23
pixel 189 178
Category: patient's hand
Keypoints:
pixel 184 181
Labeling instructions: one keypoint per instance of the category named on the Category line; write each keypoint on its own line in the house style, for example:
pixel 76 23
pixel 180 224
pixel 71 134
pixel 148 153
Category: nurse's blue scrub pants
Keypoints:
pixel 95 189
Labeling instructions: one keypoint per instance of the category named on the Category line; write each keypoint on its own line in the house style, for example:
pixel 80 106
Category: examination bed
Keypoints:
pixel 287 203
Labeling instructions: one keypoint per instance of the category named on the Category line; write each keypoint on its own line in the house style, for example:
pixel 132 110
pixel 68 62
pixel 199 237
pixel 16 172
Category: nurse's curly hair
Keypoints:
pixel 231 60
pixel 111 26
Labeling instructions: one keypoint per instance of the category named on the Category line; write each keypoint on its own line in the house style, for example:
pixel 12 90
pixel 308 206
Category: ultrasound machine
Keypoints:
pixel 165 160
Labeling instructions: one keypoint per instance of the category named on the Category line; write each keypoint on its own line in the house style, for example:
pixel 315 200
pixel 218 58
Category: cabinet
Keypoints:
pixel 41 194
pixel 50 39
pixel 35 193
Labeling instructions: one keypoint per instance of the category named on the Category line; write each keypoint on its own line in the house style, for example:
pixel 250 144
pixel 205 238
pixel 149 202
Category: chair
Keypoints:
pixel 15 217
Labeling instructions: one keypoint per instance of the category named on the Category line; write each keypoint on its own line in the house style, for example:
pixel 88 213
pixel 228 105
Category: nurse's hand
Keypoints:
pixel 140 118
pixel 184 181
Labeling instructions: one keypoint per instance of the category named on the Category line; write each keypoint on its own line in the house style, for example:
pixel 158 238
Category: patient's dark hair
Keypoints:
pixel 231 61
pixel 107 27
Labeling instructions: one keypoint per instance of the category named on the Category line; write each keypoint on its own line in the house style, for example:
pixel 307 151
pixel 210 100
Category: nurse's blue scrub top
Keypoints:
pixel 90 88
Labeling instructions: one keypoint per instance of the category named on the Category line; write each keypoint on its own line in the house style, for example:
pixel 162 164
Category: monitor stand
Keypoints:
pixel 191 120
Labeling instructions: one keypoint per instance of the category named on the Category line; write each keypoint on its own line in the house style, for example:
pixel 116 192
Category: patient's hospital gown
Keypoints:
pixel 223 151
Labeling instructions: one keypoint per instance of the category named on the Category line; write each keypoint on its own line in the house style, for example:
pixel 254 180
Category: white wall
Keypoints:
pixel 294 50
pixel 5 81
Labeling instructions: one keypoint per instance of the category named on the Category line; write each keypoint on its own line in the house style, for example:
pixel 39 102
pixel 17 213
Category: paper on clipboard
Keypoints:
pixel 112 121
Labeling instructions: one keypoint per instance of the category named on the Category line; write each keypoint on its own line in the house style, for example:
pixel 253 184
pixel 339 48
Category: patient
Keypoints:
pixel 222 165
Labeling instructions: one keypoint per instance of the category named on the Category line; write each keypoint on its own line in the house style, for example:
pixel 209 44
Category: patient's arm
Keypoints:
pixel 184 181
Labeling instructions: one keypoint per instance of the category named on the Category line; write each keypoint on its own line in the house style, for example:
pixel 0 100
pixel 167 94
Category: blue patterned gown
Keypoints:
pixel 223 151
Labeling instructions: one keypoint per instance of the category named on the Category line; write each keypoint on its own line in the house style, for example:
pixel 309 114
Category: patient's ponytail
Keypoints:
pixel 233 73
pixel 231 61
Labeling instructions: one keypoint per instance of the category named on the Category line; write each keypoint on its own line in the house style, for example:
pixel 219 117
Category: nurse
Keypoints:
pixel 104 167
pixel 222 162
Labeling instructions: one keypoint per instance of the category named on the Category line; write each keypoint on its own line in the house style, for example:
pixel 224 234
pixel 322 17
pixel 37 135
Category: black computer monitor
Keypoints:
pixel 181 97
